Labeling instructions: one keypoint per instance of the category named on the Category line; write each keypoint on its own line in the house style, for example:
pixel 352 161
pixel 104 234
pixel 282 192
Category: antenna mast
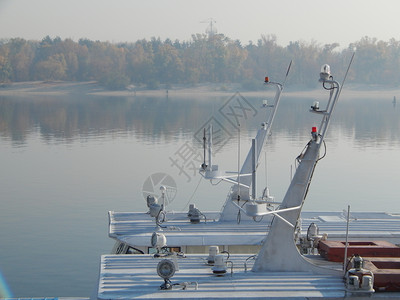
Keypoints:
pixel 211 30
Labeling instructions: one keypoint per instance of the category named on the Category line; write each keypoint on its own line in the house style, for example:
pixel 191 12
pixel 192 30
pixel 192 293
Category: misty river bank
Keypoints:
pixel 60 88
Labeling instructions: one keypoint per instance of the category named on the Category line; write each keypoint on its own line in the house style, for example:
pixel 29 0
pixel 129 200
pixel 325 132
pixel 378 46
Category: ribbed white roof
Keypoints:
pixel 137 228
pixel 135 277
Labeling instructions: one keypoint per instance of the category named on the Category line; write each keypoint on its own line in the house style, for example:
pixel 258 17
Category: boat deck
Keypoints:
pixel 135 277
pixel 137 228
pixel 362 226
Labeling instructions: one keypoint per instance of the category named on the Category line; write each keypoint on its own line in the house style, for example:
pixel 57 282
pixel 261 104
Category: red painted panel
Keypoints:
pixel 334 250
pixel 386 273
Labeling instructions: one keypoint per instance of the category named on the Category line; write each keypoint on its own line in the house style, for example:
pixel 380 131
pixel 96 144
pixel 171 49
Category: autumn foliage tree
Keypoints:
pixel 204 59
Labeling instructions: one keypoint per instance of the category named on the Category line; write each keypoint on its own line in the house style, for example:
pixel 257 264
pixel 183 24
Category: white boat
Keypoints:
pixel 194 231
pixel 133 235
pixel 284 263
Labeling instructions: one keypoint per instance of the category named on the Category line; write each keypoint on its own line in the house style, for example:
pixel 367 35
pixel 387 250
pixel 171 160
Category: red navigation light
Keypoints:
pixel 266 79
pixel 314 129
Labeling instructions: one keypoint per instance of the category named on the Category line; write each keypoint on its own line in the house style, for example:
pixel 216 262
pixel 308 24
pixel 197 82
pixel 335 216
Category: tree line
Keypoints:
pixel 204 59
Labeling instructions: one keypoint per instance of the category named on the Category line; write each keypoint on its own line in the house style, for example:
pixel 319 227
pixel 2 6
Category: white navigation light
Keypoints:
pixel 315 105
pixel 326 69
pixel 325 72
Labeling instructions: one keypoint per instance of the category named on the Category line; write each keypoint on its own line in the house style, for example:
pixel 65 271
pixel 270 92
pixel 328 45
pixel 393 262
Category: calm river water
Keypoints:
pixel 66 161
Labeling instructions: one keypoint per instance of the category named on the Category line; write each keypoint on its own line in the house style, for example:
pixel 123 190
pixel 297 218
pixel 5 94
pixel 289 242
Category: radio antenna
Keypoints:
pixel 347 72
pixel 287 73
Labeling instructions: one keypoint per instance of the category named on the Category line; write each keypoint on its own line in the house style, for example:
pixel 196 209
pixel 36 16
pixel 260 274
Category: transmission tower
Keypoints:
pixel 211 29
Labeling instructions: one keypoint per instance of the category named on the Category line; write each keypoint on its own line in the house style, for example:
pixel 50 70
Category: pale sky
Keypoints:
pixel 342 21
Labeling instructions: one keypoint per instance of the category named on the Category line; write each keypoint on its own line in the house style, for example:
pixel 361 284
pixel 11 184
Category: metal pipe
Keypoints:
pixel 254 163
pixel 347 237
pixel 204 149
pixel 210 147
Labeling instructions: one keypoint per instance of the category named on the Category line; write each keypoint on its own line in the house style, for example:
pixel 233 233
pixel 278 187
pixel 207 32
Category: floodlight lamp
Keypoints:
pixel 158 240
pixel 166 269
pixel 151 200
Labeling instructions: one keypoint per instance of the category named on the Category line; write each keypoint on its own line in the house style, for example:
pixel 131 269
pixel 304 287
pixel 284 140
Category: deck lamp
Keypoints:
pixel 166 269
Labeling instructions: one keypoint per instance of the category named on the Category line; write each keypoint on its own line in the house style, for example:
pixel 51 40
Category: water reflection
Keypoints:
pixel 66 119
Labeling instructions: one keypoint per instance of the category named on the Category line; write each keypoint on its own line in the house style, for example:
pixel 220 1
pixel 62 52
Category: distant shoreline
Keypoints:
pixel 59 88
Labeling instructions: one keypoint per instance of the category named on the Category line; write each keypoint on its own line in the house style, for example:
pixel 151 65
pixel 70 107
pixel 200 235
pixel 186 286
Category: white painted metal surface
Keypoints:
pixel 136 229
pixel 135 277
pixel 279 252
